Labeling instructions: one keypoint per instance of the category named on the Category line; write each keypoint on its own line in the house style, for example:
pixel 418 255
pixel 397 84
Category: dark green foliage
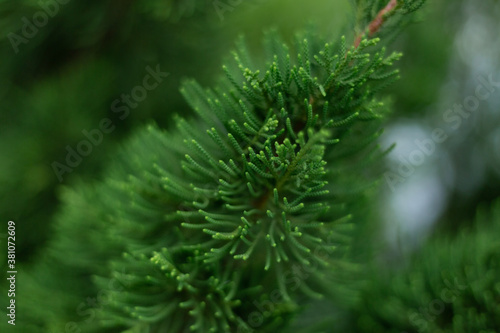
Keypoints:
pixel 450 286
pixel 249 216
pixel 218 213
pixel 173 9
pixel 65 78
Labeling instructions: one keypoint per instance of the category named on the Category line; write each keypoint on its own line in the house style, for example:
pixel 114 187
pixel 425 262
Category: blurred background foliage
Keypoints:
pixel 65 78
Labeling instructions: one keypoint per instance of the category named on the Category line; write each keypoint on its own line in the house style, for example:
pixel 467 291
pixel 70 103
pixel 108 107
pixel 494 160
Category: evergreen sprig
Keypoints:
pixel 261 186
pixel 194 226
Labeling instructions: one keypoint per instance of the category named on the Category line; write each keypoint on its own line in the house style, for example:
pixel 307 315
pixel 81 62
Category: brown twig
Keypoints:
pixel 377 22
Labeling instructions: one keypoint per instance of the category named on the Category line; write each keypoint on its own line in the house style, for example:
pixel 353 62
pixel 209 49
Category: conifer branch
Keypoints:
pixel 197 224
pixel 375 25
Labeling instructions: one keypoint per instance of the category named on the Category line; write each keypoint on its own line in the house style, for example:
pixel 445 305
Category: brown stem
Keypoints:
pixel 377 22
